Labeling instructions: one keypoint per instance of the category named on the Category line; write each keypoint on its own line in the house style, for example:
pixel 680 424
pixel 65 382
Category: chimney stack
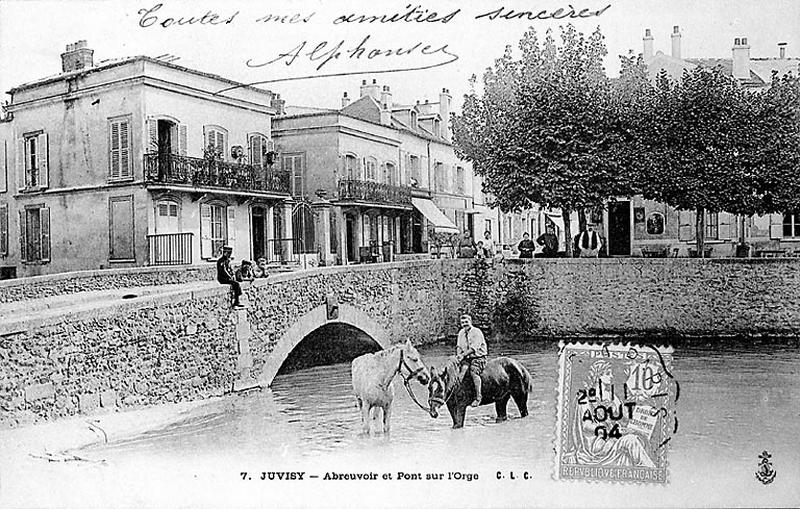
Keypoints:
pixel 373 90
pixel 386 98
pixel 782 50
pixel 676 42
pixel 279 104
pixel 444 112
pixel 741 58
pixel 345 100
pixel 648 45
pixel 77 56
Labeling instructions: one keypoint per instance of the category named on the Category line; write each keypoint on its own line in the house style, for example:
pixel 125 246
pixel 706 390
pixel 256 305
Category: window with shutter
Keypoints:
pixel 293 163
pixel 216 140
pixel 257 149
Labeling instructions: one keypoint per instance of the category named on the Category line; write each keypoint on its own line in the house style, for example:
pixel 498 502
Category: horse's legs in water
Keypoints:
pixel 500 406
pixel 458 414
pixel 366 418
pixel 521 399
pixel 387 415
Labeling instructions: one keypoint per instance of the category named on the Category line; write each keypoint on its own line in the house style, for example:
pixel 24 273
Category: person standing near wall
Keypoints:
pixel 466 246
pixel 589 242
pixel 526 246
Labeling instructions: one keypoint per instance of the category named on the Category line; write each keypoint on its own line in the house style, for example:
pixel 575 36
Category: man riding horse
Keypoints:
pixel 471 353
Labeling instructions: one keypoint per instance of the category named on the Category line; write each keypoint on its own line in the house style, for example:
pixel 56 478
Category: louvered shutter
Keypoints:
pixel 4 170
pixel 114 156
pixel 686 226
pixel 256 150
pixel 360 164
pixel 44 218
pixel 152 130
pixel 208 138
pixel 22 174
pixel 341 170
pixel 42 159
pixel 222 144
pixel 23 252
pixel 124 149
pixel 182 140
pixel 231 226
pixel 270 145
pixel 4 230
pixel 776 226
pixel 205 231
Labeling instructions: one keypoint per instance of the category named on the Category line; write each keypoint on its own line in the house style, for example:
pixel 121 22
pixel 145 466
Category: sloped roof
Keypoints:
pixel 726 66
pixel 364 108
pixel 108 64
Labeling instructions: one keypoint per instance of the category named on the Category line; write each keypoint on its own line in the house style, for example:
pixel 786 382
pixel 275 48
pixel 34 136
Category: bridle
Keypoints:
pixel 447 397
pixel 411 375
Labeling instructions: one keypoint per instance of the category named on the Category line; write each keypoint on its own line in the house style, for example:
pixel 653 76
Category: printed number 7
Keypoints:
pixel 244 475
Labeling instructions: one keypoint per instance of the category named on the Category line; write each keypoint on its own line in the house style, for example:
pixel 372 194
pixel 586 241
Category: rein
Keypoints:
pixel 411 375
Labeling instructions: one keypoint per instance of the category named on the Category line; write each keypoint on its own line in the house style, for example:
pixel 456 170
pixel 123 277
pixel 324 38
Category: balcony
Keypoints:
pixel 171 169
pixel 374 193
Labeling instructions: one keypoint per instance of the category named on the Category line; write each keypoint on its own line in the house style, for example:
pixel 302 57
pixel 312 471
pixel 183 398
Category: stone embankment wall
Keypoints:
pixel 633 297
pixel 37 287
pixel 189 345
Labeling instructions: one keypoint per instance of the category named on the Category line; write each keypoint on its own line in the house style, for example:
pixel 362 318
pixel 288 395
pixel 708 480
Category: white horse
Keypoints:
pixel 373 374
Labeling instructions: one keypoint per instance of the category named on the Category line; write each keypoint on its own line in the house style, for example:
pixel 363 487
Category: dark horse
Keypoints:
pixel 503 378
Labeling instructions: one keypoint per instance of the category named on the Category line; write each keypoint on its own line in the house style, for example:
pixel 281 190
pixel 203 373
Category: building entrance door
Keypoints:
pixel 619 228
pixel 259 233
pixel 350 238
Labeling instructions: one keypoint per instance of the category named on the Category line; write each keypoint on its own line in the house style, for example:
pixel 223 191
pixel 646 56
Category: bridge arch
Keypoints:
pixel 313 320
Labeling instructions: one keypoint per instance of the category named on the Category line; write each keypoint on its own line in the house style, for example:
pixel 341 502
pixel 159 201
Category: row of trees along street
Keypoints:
pixel 549 127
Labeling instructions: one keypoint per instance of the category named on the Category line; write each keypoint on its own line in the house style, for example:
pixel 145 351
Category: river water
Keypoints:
pixel 736 401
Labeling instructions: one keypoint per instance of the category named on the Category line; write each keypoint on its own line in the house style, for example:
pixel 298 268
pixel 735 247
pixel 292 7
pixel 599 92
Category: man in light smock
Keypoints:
pixel 471 351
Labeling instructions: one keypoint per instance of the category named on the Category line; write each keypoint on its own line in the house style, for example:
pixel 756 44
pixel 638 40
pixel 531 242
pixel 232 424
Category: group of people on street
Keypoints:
pixel 587 244
pixel 246 271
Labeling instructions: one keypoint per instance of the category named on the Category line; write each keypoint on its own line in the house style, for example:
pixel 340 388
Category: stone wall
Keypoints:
pixel 162 350
pixel 13 290
pixel 190 345
pixel 667 297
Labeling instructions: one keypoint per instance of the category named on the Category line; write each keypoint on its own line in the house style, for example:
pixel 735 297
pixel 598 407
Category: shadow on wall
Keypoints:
pixel 330 344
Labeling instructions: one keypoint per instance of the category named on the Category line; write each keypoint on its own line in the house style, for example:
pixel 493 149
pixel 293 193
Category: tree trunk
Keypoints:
pixel 565 214
pixel 582 219
pixel 700 231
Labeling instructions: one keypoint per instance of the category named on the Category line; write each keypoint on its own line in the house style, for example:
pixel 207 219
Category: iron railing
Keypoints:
pixel 170 248
pixel 284 250
pixel 374 192
pixel 193 171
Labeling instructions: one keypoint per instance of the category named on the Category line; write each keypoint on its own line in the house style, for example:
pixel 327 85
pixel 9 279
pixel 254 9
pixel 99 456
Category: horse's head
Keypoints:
pixel 437 390
pixel 413 363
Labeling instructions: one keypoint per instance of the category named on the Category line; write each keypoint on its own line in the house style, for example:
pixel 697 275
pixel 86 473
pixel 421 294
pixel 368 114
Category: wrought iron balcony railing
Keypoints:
pixel 193 171
pixel 374 192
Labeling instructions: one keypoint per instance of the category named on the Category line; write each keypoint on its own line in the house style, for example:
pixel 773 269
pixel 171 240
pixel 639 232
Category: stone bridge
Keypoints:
pixel 154 336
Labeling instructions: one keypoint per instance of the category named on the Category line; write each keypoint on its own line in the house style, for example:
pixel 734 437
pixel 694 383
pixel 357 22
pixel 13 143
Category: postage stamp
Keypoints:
pixel 616 412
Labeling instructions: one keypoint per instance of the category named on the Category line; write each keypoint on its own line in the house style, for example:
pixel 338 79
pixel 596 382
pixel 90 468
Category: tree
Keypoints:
pixel 704 144
pixel 544 130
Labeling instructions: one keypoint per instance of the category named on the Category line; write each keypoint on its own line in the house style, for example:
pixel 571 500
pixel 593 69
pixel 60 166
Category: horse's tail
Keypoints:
pixel 524 377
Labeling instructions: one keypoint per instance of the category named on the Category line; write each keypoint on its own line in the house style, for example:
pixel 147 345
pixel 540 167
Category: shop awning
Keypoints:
pixel 432 213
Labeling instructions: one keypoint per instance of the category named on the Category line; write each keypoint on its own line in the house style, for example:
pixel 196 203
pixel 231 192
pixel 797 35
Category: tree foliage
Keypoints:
pixel 543 130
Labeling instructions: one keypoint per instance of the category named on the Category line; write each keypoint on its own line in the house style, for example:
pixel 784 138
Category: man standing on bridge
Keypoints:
pixel 471 351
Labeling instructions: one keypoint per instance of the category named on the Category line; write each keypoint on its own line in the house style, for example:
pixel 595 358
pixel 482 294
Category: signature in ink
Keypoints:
pixel 324 53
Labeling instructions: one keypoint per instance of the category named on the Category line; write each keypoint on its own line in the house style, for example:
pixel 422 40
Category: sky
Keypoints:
pixel 33 34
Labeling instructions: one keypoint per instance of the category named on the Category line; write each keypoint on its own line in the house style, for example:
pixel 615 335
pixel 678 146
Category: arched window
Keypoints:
pixel 215 142
pixel 257 147
pixel 389 174
pixel 371 169
pixel 655 223
pixel 303 228
pixel 167 216
pixel 350 167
